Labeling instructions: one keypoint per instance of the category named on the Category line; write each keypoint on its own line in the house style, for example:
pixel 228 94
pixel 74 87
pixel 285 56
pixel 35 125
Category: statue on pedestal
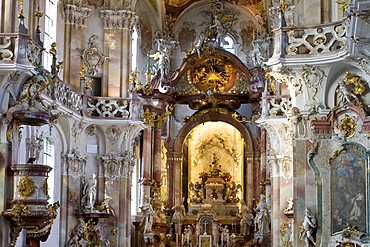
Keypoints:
pixel 89 193
pixel 178 217
pixel 290 207
pixel 263 218
pixel 225 236
pixel 215 167
pixel 309 223
pixel 246 220
pixel 148 215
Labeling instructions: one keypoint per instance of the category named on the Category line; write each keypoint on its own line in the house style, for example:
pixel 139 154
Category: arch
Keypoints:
pixel 212 117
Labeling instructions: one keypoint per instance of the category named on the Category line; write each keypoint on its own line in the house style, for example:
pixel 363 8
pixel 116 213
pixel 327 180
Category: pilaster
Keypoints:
pixel 118 27
pixel 75 35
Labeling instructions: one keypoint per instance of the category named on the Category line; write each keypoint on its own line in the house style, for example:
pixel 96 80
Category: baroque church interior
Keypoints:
pixel 169 123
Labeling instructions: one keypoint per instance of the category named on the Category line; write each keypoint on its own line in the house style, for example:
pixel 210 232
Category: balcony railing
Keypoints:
pixel 314 40
pixel 19 50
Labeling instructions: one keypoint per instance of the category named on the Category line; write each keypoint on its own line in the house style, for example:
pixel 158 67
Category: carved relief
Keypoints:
pixel 92 57
pixel 313 78
pixel 113 133
pixel 92 130
pixel 76 164
pixel 112 165
pixel 129 162
pixel 76 130
pixel 26 187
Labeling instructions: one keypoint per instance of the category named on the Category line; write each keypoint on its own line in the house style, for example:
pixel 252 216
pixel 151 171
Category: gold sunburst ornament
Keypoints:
pixel 213 73
pixel 347 126
pixel 26 187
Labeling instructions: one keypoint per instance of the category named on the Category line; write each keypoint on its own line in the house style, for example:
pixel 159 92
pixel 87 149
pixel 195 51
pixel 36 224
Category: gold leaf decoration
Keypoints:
pixel 347 126
pixel 26 187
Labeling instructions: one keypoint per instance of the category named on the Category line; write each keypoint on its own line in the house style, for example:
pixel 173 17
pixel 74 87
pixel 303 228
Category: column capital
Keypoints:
pixel 119 19
pixel 76 15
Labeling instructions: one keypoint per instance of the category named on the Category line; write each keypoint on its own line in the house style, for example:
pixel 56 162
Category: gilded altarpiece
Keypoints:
pixel 349 181
pixel 218 140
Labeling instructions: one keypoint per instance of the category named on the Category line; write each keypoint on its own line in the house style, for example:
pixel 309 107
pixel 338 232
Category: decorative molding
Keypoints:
pixel 119 19
pixel 76 15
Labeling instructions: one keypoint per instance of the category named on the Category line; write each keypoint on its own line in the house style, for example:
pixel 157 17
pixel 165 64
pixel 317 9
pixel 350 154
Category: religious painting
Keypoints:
pixel 349 179
pixel 146 36
pixel 186 37
pixel 248 34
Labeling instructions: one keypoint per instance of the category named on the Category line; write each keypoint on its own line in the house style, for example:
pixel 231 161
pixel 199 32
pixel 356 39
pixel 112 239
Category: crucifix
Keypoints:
pixel 205 228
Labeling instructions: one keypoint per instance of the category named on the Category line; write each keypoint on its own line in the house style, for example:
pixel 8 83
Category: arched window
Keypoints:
pixel 134 49
pixel 50 31
pixel 49 160
pixel 229 44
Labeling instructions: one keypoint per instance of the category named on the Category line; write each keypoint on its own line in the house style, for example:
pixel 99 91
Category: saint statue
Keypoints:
pixel 148 215
pixel 246 220
pixel 89 192
pixel 178 217
pixel 263 219
pixel 309 223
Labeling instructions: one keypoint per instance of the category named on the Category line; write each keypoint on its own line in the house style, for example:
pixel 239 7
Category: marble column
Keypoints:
pixel 75 37
pixel 174 160
pixel 157 152
pixel 118 27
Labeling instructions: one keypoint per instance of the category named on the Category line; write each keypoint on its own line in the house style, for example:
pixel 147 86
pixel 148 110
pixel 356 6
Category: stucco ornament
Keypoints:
pixel 76 163
pixel 112 165
pixel 92 57
pixel 26 187
pixel 313 78
pixel 113 133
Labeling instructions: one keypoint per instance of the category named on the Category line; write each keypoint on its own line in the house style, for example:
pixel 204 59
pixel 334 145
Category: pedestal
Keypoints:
pixel 262 239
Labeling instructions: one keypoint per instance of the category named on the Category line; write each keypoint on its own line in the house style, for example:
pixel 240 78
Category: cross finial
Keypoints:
pixel 38 14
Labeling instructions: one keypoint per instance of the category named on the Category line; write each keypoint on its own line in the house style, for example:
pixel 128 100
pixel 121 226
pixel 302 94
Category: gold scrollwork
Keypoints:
pixel 335 154
pixel 151 118
pixel 359 88
pixel 26 187
pixel 284 237
pixel 347 126
pixel 20 210
pixel 148 117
